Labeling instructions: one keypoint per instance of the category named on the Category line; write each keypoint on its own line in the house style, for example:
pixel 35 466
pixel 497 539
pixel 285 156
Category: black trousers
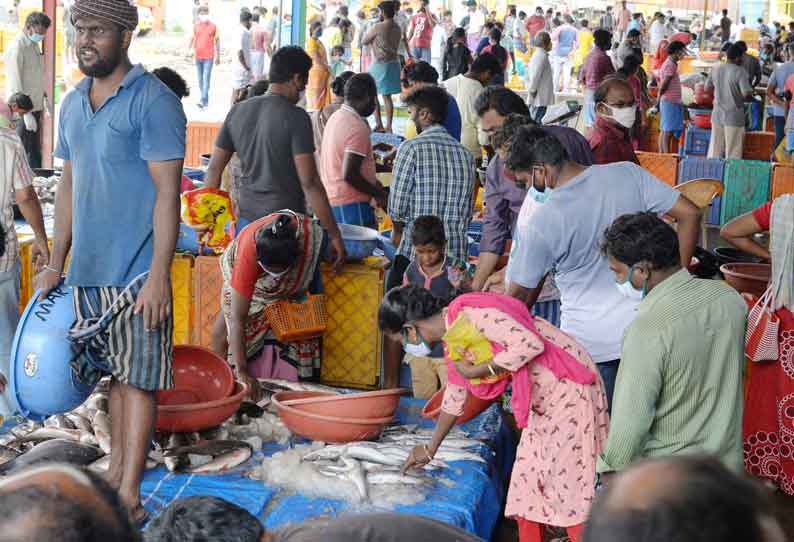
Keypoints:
pixel 31 141
pixel 395 276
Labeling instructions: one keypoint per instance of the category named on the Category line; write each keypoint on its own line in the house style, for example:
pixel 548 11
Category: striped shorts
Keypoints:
pixel 120 346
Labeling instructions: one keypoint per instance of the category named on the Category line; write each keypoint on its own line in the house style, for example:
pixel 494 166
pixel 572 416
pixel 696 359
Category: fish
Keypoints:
pixel 395 477
pixel 25 428
pixel 252 410
pixel 103 464
pixel 373 455
pixel 449 456
pixel 79 422
pixel 225 461
pixel 59 421
pixel 98 401
pixel 332 452
pixel 101 422
pixel 215 433
pixel 88 438
pixel 275 385
pixel 176 463
pixel 211 448
pixel 7 454
pixel 49 433
pixel 103 439
pixel 57 450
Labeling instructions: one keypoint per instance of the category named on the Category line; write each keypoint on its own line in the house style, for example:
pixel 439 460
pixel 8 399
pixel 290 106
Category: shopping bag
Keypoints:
pixel 761 339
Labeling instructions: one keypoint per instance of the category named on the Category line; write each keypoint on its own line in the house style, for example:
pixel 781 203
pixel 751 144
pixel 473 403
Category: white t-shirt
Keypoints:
pixel 565 234
pixel 657 32
pixel 465 91
pixel 243 42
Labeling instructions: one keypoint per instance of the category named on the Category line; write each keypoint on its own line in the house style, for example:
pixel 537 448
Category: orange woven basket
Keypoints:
pixel 293 321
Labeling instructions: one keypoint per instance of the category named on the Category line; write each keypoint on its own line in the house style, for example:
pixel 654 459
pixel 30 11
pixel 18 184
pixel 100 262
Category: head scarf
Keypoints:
pixel 121 12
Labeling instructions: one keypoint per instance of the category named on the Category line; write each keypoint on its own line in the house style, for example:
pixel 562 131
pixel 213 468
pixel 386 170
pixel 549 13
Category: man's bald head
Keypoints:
pixel 695 499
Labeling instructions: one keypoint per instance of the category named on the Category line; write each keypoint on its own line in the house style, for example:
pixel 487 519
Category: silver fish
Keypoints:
pixel 212 448
pixel 329 452
pixel 98 401
pixel 7 454
pixel 225 461
pixel 79 422
pixel 103 439
pixel 48 433
pixel 59 421
pixel 101 422
pixel 103 464
pixel 449 456
pixel 373 455
pixel 395 477
pixel 88 438
pixel 56 450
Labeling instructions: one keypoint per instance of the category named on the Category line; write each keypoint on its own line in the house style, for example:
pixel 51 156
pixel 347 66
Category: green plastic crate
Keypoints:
pixel 746 187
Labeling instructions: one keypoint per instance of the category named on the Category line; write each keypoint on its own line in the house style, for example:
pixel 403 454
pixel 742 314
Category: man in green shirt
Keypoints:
pixel 679 386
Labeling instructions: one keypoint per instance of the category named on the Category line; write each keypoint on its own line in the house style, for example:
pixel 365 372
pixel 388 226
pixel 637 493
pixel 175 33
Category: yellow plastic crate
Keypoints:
pixel 207 284
pixel 352 344
pixel 182 291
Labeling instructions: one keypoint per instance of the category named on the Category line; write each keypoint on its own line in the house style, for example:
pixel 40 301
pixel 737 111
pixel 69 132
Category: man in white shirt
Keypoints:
pixel 465 89
pixel 657 32
pixel 539 80
pixel 25 73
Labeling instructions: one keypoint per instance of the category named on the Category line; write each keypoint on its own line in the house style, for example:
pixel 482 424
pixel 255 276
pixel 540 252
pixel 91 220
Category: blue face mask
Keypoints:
pixel 37 38
pixel 629 290
pixel 537 195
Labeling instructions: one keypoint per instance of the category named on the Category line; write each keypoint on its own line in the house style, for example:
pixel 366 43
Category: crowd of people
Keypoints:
pixel 620 367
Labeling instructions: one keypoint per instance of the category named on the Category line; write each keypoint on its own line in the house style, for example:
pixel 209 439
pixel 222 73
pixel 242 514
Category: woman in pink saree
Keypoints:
pixel 558 399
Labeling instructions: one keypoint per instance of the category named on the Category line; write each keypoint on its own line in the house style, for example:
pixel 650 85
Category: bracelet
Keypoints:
pixel 427 453
pixel 490 368
pixel 48 268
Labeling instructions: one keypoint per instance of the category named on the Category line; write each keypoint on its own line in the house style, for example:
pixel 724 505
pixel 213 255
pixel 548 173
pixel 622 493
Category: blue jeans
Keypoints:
pixel 9 318
pixel 422 53
pixel 609 373
pixel 204 68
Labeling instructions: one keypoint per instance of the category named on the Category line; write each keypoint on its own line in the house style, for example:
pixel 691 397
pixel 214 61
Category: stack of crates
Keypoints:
pixel 696 141
pixel 694 167
pixel 746 187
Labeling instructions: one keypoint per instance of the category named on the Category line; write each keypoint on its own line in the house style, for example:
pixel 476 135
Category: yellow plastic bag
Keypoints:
pixel 463 338
pixel 209 211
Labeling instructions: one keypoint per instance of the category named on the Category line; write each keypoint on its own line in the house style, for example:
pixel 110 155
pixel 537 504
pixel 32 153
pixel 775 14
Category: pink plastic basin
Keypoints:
pixel 195 417
pixel 338 429
pixel 473 407
pixel 370 404
pixel 751 278
pixel 200 376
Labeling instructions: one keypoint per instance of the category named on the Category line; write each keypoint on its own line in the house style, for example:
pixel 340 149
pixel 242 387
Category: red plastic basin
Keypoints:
pixel 751 278
pixel 473 407
pixel 370 404
pixel 329 428
pixel 195 417
pixel 200 376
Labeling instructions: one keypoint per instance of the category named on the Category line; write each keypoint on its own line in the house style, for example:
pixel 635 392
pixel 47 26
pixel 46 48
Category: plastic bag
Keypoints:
pixel 209 211
pixel 465 341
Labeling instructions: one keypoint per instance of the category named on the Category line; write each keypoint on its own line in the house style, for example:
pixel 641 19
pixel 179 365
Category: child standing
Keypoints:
pixel 338 63
pixel 434 271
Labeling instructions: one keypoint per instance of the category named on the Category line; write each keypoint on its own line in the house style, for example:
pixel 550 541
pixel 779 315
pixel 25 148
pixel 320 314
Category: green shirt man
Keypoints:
pixel 679 386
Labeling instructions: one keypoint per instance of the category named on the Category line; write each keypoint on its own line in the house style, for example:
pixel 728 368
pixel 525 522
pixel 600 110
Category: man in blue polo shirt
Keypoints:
pixel 122 139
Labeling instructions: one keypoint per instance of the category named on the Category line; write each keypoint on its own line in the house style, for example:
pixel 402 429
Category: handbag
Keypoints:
pixel 761 338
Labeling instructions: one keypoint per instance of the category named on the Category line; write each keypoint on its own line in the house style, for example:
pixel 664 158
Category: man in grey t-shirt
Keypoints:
pixel 731 90
pixel 274 140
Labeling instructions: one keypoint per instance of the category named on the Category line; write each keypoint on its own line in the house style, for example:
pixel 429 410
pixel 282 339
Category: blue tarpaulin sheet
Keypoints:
pixel 473 501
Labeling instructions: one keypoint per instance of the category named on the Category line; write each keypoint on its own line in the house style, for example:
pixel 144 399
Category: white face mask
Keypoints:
pixel 625 116
pixel 629 290
pixel 420 349
pixel 204 18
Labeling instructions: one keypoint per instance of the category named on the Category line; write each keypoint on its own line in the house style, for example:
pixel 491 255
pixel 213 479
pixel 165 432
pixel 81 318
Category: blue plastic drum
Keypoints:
pixel 41 382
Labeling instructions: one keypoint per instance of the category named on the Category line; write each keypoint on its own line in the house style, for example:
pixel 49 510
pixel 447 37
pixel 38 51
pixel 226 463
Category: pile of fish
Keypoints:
pixel 368 472
pixel 83 437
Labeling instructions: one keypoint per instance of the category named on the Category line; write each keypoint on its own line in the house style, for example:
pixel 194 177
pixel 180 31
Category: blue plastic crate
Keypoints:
pixel 193 174
pixel 746 187
pixel 696 141
pixel 693 167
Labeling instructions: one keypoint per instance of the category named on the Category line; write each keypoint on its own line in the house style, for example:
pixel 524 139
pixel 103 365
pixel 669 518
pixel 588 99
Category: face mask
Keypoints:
pixel 420 349
pixel 625 116
pixel 37 38
pixel 204 18
pixel 537 195
pixel 629 290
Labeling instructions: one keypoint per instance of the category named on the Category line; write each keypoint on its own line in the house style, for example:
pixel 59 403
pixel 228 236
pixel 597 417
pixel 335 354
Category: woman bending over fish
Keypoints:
pixel 558 398
pixel 273 258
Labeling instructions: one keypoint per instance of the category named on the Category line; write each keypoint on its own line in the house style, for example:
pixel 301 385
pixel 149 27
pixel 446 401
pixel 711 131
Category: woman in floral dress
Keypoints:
pixel 558 399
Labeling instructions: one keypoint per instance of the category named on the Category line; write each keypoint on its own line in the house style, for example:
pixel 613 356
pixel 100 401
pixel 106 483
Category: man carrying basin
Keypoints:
pixel 122 140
